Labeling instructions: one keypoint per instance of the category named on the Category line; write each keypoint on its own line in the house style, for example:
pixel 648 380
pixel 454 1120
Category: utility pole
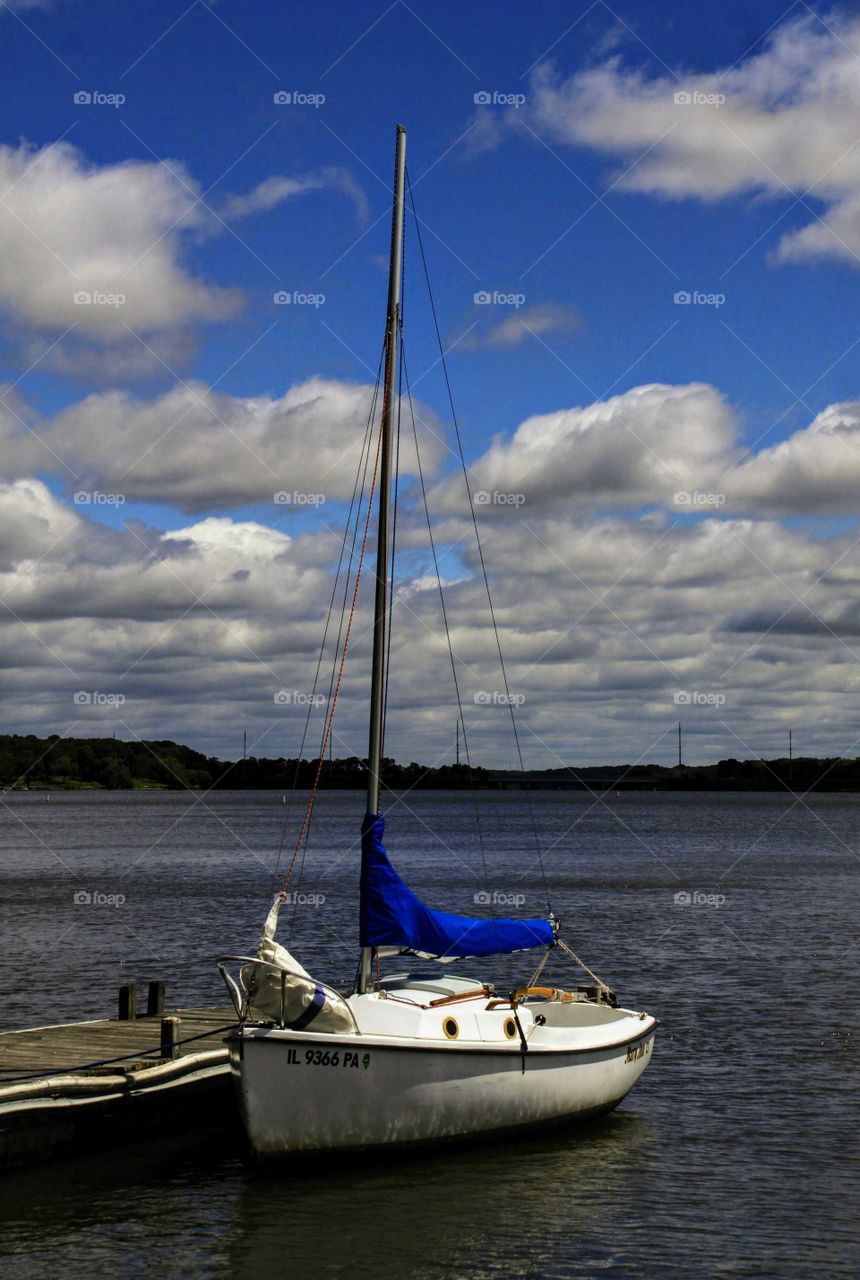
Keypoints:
pixel 680 759
pixel 458 744
pixel 790 761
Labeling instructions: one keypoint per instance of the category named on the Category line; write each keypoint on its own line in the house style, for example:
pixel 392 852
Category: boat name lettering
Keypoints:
pixel 637 1051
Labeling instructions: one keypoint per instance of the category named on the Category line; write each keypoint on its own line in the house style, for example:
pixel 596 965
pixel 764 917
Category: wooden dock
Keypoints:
pixel 77 1085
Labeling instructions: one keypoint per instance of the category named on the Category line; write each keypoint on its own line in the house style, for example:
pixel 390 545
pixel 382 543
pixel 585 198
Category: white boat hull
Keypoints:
pixel 301 1092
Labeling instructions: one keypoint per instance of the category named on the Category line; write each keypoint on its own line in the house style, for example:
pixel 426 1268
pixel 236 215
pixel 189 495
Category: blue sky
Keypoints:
pixel 594 200
pixel 200 96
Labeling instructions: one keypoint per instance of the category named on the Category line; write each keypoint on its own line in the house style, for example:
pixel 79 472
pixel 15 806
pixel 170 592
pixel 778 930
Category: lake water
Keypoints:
pixel 736 1155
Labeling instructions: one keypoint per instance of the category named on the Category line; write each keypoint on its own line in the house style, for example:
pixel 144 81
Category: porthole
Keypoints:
pixel 451 1028
pixel 510 1028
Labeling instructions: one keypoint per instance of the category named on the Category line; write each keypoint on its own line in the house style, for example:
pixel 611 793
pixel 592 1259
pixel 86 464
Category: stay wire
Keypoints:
pixel 341 665
pixel 327 728
pixel 356 527
pixel 478 545
pixel 360 478
pixel 448 639
pixel 364 463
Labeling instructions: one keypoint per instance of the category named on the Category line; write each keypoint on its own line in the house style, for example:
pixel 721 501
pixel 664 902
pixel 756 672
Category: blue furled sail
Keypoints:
pixel 392 915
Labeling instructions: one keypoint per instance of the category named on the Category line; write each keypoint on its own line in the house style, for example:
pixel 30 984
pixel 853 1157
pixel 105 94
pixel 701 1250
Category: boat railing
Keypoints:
pixel 242 996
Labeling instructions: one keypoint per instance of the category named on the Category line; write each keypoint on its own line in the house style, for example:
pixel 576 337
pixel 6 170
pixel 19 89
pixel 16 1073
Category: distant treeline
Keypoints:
pixel 108 764
pixel 802 774
pixel 75 763
pixel 104 763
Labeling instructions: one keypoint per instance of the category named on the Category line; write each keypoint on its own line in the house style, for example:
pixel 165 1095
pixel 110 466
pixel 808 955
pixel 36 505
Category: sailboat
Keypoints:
pixel 427 1056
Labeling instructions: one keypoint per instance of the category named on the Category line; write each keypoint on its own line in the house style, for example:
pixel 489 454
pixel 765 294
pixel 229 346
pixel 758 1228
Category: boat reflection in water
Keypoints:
pixel 500 1209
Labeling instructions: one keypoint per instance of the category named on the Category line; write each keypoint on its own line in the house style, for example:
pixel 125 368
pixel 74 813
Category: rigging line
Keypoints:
pixel 326 736
pixel 447 630
pixel 477 534
pixel 302 840
pixel 360 475
pixel 570 952
pixel 533 980
pixel 351 558
pixel 343 609
pixel 354 538
pixel 326 730
pixel 353 523
pixel 330 717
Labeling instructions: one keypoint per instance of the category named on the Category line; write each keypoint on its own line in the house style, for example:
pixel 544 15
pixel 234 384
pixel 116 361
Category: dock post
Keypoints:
pixel 127 1003
pixel 170 1035
pixel 155 999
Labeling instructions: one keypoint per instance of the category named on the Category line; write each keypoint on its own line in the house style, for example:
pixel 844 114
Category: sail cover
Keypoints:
pixel 392 915
pixel 298 998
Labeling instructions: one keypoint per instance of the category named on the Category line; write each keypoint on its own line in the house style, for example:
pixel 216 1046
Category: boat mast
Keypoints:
pixel 377 684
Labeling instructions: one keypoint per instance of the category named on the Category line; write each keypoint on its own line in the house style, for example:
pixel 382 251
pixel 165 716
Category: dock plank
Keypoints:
pixel 75 1045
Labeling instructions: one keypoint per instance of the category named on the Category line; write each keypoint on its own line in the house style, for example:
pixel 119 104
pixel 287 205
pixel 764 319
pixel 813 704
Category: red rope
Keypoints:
pixel 330 719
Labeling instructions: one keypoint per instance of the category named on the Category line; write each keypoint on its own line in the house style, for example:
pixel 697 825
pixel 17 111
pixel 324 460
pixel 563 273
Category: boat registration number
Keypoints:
pixel 637 1051
pixel 328 1058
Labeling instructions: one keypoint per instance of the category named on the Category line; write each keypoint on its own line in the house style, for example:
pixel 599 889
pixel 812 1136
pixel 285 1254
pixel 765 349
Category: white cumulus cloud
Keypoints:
pixel 635 448
pixel 69 228
pixel 100 255
pixel 781 122
pixel 198 448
